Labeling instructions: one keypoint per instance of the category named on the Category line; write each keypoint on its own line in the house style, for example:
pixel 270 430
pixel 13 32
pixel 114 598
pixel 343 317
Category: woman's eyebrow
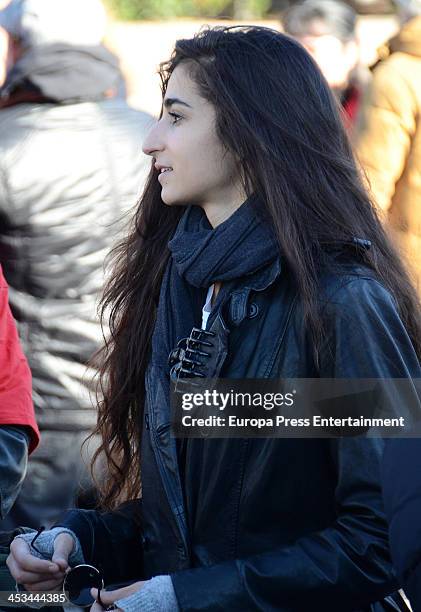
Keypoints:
pixel 170 101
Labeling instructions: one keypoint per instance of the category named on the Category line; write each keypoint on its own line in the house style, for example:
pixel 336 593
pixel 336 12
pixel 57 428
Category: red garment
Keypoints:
pixel 351 103
pixel 16 407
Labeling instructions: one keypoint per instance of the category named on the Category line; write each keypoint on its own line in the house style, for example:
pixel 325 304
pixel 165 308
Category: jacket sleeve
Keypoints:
pixel 111 541
pixel 347 565
pixel 402 496
pixel 387 127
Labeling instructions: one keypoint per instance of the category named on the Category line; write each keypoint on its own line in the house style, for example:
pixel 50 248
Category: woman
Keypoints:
pixel 254 189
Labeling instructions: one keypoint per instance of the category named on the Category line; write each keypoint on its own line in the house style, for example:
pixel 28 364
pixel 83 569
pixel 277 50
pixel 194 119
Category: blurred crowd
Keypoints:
pixel 71 169
pixel 381 107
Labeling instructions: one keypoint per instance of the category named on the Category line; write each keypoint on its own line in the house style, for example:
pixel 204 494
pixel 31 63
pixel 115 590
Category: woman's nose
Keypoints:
pixel 153 141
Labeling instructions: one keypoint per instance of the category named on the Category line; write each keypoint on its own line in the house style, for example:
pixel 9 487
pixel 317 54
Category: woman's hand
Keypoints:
pixel 109 597
pixel 39 574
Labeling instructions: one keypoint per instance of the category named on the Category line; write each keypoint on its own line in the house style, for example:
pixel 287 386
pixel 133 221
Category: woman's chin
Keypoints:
pixel 172 200
pixel 166 198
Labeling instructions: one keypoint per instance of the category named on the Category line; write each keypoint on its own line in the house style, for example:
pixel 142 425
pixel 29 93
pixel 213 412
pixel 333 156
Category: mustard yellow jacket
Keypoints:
pixel 389 143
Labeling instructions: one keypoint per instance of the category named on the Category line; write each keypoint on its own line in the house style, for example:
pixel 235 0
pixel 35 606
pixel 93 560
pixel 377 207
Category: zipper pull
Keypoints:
pixel 147 420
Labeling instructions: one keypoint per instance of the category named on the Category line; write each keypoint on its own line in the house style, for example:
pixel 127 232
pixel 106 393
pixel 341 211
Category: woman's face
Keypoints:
pixel 195 167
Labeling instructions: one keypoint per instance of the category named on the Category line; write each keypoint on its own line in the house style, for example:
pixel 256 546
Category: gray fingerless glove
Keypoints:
pixel 157 595
pixel 45 543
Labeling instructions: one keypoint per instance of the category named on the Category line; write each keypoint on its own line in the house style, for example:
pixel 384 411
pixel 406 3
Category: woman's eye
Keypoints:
pixel 175 118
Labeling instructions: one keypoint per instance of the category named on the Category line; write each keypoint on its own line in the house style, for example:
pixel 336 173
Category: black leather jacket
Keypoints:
pixel 266 524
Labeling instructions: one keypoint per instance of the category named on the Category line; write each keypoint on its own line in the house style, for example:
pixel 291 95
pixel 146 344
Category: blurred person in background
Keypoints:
pixel 327 29
pixel 18 429
pixel 70 166
pixel 19 435
pixel 389 144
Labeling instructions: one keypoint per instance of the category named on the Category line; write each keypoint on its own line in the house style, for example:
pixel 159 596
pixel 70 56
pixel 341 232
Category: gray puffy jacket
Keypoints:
pixel 68 173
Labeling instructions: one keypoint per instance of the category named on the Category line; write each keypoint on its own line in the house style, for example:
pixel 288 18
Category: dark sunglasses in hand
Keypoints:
pixel 79 580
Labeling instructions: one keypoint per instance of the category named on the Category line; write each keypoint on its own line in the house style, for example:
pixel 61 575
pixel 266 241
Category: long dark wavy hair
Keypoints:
pixel 275 112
